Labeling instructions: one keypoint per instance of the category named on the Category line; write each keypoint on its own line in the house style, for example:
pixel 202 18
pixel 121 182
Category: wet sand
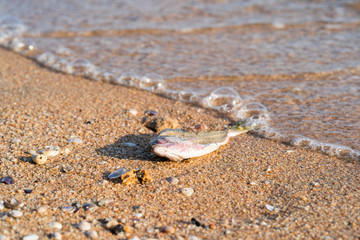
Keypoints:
pixel 251 188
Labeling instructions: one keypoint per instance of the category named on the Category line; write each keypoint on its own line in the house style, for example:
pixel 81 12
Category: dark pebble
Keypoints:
pixel 28 191
pixel 117 229
pixel 88 122
pixel 7 180
pixel 197 222
pixel 151 112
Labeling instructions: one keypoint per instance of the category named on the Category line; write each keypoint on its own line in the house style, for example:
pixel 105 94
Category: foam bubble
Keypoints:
pixel 253 109
pixel 46 58
pixel 128 79
pixel 186 96
pixel 63 65
pixel 82 66
pixel 152 82
pixel 11 24
pixel 223 99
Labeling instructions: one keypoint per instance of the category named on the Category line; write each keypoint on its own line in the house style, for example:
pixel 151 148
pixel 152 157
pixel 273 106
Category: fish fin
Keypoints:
pixel 239 128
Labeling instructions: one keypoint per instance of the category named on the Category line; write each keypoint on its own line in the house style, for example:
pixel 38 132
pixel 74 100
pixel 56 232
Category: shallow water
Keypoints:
pixel 290 67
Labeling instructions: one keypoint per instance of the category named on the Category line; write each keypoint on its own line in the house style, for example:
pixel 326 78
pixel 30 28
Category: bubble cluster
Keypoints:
pixel 128 79
pixel 152 82
pixel 223 99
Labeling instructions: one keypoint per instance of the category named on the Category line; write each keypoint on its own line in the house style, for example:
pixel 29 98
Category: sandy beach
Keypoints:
pixel 251 188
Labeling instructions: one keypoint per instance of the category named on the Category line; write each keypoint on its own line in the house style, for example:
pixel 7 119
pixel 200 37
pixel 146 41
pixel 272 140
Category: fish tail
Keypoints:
pixel 239 128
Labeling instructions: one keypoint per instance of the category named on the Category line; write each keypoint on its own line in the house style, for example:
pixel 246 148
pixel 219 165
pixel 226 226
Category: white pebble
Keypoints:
pixel 15 213
pixel 42 210
pixel 3 237
pixel 118 173
pixel 2 205
pixel 138 215
pixel 84 226
pixel 56 235
pixel 32 152
pixel 133 112
pixel 31 237
pixel 39 159
pixel 187 191
pixel 269 207
pixel 66 151
pixel 55 225
pixel 49 152
pixel 191 237
pixel 92 234
pixel 75 140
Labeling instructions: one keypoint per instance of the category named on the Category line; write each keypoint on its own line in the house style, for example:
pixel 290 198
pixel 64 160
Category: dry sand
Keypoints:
pixel 309 195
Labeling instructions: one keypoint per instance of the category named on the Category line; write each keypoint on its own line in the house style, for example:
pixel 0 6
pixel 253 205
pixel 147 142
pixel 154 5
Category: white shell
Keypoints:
pixel 187 191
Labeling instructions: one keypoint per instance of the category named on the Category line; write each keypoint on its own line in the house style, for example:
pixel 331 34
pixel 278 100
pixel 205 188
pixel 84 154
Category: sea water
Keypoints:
pixel 290 68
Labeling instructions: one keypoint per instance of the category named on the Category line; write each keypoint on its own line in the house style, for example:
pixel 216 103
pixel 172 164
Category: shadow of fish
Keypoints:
pixel 177 145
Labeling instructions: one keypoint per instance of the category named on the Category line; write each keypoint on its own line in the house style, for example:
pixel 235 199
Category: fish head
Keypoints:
pixel 167 147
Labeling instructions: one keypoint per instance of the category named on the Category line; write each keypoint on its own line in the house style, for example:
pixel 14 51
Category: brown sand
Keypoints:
pixel 314 196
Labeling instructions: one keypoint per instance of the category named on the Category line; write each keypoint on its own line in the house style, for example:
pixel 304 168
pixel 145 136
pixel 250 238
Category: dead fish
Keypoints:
pixel 177 145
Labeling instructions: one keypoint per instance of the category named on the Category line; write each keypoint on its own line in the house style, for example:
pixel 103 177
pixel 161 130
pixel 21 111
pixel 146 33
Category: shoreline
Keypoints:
pixel 251 188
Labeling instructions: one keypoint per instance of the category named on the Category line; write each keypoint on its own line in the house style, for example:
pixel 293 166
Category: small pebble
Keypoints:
pixel 167 229
pixel 66 168
pixel 129 144
pixel 55 225
pixel 111 223
pixel 56 235
pixel 269 207
pixel 16 140
pixel 92 234
pixel 39 159
pixel 118 173
pixel 49 151
pixel 68 209
pixel 84 226
pixel 187 191
pixel 172 180
pixel 128 229
pixel 138 215
pixel 31 237
pixel 3 237
pixel 32 152
pixel 191 237
pixel 117 229
pixel 42 210
pixel 28 191
pixel 11 204
pixel 91 207
pixel 15 213
pixel 2 205
pixel 66 151
pixel 133 112
pixel 7 180
pixel 75 140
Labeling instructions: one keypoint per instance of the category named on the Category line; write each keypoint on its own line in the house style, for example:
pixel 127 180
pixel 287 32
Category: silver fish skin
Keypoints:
pixel 177 145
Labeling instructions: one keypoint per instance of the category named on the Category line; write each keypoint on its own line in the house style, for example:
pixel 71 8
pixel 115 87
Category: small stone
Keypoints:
pixel 201 127
pixel 91 207
pixel 192 237
pixel 187 191
pixel 16 140
pixel 66 168
pixel 11 204
pixel 39 159
pixel 158 124
pixel 117 229
pixel 118 173
pixel 92 234
pixel 167 229
pixel 197 222
pixel 172 180
pixel 269 207
pixel 143 176
pixel 31 237
pixel 75 140
pixel 28 191
pixel 15 213
pixel 129 144
pixel 66 151
pixel 104 202
pixel 2 205
pixel 56 235
pixel 68 209
pixel 3 237
pixel 32 152
pixel 49 151
pixel 110 224
pixel 84 226
pixel 55 225
pixel 129 177
pixel 212 226
pixel 128 229
pixel 42 210
pixel 253 183
pixel 138 215
pixel 133 111
pixel 7 180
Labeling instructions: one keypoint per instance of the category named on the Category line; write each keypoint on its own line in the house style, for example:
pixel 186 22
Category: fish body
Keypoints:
pixel 177 145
